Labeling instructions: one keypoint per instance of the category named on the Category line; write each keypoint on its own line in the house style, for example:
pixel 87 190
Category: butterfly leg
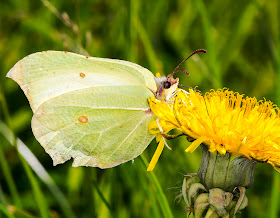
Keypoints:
pixel 169 137
pixel 161 132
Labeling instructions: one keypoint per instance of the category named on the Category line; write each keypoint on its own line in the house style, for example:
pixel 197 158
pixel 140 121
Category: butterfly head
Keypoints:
pixel 166 86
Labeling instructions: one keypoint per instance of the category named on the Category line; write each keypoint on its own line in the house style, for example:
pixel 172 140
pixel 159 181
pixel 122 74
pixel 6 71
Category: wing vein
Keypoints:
pixel 123 121
pixel 139 147
pixel 126 138
pixel 101 132
pixel 111 108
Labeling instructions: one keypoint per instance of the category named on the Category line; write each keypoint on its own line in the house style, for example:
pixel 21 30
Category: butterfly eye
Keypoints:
pixel 166 84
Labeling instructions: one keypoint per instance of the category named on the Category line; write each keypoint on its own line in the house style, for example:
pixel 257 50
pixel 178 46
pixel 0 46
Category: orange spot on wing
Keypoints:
pixel 83 119
pixel 82 75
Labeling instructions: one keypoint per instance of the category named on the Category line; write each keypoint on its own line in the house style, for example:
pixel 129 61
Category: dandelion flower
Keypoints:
pixel 223 120
pixel 235 133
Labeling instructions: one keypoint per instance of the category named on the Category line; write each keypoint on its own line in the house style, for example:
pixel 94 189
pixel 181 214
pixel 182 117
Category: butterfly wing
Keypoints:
pixel 100 122
pixel 45 75
pixel 100 126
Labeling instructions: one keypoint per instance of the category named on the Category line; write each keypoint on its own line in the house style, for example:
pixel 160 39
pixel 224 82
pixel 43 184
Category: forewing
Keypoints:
pixel 45 75
pixel 98 126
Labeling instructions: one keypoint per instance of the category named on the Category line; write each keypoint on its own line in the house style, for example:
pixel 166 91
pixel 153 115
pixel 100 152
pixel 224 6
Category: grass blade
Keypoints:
pixel 39 170
pixel 39 197
pixel 159 192
pixel 5 211
pixel 101 195
pixel 210 44
pixel 152 58
pixel 10 181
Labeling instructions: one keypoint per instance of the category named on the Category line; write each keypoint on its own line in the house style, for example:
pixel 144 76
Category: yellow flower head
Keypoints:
pixel 224 120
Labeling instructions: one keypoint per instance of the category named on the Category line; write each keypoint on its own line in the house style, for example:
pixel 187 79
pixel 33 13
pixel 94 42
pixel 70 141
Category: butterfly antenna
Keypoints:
pixel 182 70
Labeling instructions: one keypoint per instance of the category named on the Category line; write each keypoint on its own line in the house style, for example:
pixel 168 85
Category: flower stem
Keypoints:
pixel 159 192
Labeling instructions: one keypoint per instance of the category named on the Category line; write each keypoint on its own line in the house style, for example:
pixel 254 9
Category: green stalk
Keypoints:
pixel 39 197
pixel 5 166
pixel 244 25
pixel 39 170
pixel 2 197
pixel 134 4
pixel 45 177
pixel 210 44
pixel 5 211
pixel 4 107
pixel 274 198
pixel 159 192
pixel 152 58
pixel 10 181
pixel 274 47
pixel 147 190
pixel 102 196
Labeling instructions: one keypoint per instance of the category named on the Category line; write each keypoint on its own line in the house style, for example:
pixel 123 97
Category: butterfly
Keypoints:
pixel 94 110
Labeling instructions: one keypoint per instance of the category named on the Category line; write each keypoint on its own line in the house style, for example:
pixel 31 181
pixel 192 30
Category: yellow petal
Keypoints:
pixel 156 155
pixel 153 127
pixel 196 143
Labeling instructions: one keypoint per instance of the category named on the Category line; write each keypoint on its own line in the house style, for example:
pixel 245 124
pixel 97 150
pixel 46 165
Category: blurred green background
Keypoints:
pixel 243 43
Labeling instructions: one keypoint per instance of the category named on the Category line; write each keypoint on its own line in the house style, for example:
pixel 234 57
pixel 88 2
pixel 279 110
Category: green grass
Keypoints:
pixel 243 44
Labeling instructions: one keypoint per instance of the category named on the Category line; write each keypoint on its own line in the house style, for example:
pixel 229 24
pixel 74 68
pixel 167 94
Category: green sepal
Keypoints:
pixel 225 171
